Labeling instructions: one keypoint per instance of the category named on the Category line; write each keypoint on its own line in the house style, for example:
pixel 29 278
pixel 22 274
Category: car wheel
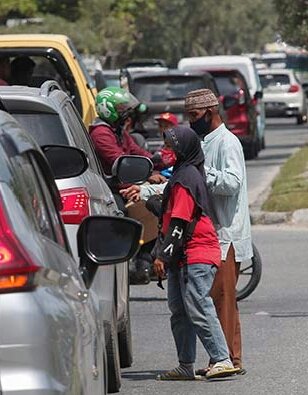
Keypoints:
pixel 125 342
pixel 113 358
pixel 250 150
pixel 300 119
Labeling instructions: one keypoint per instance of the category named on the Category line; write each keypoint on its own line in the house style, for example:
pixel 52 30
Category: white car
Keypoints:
pixel 52 341
pixel 51 118
pixel 283 94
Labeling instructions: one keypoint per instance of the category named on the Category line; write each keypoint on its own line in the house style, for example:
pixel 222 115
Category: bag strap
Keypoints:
pixel 188 235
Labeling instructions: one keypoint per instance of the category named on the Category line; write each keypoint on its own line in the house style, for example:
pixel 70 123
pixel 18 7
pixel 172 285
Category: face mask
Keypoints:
pixel 201 126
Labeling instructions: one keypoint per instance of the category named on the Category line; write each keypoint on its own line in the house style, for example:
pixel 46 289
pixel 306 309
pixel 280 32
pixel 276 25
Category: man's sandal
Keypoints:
pixel 203 371
pixel 220 370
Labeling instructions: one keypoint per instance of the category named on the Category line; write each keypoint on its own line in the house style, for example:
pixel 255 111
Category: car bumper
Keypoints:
pixel 281 109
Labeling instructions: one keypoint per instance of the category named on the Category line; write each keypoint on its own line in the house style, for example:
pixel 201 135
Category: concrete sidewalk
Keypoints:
pixel 258 196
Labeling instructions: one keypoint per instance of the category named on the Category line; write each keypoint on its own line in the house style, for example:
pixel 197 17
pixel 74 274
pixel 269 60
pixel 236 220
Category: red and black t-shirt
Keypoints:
pixel 203 247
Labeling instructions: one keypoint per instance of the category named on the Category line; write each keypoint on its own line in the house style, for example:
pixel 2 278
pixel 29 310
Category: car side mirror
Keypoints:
pixel 104 240
pixel 258 95
pixel 229 101
pixel 65 161
pixel 132 169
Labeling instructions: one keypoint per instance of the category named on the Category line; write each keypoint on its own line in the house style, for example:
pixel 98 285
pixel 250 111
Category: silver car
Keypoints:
pixel 283 94
pixel 51 339
pixel 51 118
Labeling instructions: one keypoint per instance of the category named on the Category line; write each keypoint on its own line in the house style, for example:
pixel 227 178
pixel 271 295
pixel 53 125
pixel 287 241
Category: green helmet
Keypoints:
pixel 114 104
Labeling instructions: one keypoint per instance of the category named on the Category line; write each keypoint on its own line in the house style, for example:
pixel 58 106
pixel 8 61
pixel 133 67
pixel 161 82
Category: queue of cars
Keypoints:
pixel 60 237
pixel 52 338
pixel 233 79
pixel 49 115
pixel 86 350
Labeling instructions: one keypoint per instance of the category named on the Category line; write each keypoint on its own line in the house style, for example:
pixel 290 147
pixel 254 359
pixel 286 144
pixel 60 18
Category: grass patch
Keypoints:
pixel 290 188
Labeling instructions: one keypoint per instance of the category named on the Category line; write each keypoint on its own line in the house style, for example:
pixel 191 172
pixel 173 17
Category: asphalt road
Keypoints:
pixel 274 318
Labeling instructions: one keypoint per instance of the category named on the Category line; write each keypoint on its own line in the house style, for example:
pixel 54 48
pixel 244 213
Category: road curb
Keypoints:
pixel 260 217
pixel 268 218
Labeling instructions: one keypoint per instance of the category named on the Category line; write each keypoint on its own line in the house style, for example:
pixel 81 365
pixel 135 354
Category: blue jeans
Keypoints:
pixel 193 313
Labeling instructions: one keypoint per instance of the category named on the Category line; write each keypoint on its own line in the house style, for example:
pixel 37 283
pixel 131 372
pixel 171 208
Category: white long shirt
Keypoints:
pixel 227 183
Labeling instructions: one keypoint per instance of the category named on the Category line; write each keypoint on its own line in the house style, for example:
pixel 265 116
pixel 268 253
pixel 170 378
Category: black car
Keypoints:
pixel 165 91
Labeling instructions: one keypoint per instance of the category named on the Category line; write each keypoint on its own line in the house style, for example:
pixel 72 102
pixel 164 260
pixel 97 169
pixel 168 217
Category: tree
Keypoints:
pixel 293 21
pixel 17 8
pixel 67 9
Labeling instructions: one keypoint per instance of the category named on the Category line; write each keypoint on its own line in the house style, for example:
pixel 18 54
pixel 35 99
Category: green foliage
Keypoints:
pixel 17 8
pixel 290 188
pixel 118 30
pixel 68 9
pixel 293 21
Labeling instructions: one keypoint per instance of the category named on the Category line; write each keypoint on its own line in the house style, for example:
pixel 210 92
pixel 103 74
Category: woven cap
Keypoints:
pixel 201 98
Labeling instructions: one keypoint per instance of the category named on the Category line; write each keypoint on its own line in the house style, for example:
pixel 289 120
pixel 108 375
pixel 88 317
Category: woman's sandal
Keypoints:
pixel 175 375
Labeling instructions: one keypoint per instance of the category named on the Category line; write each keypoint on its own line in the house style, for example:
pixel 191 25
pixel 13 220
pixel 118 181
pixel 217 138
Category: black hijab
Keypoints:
pixel 188 169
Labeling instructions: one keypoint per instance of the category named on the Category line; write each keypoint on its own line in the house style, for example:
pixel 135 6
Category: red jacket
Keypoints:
pixel 109 148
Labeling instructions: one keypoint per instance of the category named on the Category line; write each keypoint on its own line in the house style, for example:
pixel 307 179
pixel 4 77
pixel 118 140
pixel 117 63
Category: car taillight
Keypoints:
pixel 75 205
pixel 16 267
pixel 293 88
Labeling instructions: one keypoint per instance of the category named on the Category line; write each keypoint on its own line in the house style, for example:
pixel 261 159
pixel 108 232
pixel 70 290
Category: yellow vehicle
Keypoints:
pixel 55 58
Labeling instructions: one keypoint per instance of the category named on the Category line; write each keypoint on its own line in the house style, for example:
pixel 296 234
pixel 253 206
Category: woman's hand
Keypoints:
pixel 159 268
pixel 132 193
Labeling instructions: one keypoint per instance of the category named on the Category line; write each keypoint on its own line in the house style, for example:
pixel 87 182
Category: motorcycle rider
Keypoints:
pixel 110 133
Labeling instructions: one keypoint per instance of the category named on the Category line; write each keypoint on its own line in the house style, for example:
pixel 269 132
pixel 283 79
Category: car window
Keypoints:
pixel 80 134
pixel 49 64
pixel 44 128
pixel 165 89
pixel 112 81
pixel 34 197
pixel 229 84
pixel 270 80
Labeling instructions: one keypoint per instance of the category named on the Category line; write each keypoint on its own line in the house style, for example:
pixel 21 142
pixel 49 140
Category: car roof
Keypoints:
pixel 220 59
pixel 224 71
pixel 168 73
pixel 33 99
pixel 275 71
pixel 46 38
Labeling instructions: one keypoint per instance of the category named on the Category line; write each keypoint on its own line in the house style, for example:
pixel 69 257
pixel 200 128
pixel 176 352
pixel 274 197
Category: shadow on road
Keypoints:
pixel 141 375
pixel 152 374
pixel 147 299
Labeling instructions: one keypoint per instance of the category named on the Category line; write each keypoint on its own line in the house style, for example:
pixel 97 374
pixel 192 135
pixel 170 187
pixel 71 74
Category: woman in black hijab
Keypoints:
pixel 190 251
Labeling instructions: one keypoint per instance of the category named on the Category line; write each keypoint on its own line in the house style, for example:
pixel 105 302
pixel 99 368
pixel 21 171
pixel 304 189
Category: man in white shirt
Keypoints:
pixel 227 184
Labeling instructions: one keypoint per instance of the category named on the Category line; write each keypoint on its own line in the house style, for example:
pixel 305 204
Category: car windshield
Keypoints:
pixel 44 128
pixel 163 89
pixel 228 85
pixel 270 80
pixel 112 80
